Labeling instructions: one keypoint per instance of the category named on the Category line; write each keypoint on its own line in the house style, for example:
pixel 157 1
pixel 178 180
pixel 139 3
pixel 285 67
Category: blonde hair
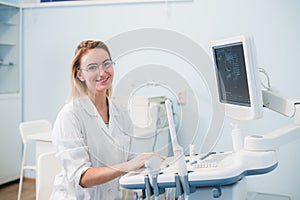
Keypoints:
pixel 79 87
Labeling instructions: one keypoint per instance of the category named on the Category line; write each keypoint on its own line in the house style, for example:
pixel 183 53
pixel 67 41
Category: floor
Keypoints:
pixel 9 191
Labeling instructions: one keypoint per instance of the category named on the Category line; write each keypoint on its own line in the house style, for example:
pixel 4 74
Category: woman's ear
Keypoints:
pixel 79 75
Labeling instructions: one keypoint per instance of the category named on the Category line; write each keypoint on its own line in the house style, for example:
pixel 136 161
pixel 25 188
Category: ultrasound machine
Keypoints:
pixel 221 175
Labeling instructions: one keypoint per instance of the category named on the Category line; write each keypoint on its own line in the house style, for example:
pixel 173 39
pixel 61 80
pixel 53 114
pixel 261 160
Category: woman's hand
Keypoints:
pixel 139 161
pixel 96 176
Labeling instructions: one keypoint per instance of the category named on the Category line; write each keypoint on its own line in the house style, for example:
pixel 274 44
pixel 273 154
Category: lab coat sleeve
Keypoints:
pixel 72 151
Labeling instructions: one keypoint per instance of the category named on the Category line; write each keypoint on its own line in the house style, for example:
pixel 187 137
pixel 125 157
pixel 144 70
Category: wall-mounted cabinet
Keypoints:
pixel 9 49
pixel 10 92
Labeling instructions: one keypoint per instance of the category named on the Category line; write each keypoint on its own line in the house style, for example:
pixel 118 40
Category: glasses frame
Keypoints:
pixel 98 69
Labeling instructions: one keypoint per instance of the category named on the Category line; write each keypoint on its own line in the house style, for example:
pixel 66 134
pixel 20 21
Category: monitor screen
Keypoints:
pixel 232 77
pixel 237 77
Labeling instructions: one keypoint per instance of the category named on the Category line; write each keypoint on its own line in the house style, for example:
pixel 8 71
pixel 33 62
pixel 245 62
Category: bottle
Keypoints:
pixel 237 138
pixel 192 150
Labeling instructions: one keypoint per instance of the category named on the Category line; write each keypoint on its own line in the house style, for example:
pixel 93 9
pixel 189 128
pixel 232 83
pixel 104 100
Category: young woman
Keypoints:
pixel 91 133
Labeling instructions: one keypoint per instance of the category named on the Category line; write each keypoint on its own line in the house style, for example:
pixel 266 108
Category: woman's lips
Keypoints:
pixel 102 80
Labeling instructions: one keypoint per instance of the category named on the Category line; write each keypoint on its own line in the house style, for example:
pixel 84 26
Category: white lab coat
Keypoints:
pixel 83 140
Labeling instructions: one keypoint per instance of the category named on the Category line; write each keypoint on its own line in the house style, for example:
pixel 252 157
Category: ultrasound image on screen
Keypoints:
pixel 232 77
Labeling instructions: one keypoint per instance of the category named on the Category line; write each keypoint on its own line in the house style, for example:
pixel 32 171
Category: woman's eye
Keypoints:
pixel 92 67
pixel 106 64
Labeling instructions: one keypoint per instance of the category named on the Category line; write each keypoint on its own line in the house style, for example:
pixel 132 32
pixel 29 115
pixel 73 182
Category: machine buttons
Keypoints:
pixel 205 165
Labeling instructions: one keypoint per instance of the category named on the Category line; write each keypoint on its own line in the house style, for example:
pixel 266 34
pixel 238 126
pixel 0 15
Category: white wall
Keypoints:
pixel 51 34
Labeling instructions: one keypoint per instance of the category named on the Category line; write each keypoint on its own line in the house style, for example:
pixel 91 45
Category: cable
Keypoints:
pixel 268 87
pixel 148 84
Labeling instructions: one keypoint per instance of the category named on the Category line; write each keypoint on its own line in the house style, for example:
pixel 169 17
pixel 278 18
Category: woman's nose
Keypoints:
pixel 101 71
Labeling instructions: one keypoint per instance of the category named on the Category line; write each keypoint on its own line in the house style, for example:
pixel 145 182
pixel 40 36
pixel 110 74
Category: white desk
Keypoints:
pixel 43 143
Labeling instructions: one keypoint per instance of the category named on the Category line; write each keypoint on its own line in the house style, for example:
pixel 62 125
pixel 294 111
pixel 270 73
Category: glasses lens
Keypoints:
pixel 106 64
pixel 92 68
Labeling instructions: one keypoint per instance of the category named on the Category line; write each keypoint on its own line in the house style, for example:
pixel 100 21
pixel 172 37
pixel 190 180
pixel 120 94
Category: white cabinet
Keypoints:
pixel 9 49
pixel 10 142
pixel 10 92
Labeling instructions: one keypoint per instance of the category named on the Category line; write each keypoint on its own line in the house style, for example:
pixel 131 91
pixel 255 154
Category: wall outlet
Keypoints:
pixel 181 97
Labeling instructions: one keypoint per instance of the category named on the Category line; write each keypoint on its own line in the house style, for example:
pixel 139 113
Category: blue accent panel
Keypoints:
pixel 187 188
pixel 179 189
pixel 134 186
pixel 156 188
pixel 167 185
pixel 149 189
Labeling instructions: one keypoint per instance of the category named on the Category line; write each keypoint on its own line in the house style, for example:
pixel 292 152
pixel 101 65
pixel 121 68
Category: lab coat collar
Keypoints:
pixel 114 113
pixel 90 108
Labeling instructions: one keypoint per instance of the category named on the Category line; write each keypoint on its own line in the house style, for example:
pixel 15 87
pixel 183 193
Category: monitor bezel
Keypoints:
pixel 238 111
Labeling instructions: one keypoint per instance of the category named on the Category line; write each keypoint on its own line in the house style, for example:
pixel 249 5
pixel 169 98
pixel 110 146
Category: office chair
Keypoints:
pixel 30 131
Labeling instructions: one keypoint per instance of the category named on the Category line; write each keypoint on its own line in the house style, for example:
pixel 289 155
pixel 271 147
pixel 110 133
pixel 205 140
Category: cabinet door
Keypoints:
pixel 10 140
pixel 10 93
pixel 9 49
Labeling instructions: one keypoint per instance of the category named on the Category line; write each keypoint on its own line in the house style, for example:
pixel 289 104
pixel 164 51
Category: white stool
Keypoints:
pixel 31 130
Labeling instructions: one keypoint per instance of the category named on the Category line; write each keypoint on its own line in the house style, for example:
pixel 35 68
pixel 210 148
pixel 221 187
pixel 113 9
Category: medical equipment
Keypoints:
pixel 148 112
pixel 148 116
pixel 213 171
pixel 281 136
pixel 177 149
pixel 216 174
pixel 237 77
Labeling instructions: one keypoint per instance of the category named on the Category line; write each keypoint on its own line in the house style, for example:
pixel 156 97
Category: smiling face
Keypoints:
pixel 99 80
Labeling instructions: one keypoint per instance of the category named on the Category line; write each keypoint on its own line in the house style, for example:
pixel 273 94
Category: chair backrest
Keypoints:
pixel 48 167
pixel 34 127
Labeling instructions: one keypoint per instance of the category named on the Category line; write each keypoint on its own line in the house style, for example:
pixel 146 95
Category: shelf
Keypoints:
pixel 92 2
pixel 8 66
pixel 12 95
pixel 5 4
pixel 7 44
pixel 7 24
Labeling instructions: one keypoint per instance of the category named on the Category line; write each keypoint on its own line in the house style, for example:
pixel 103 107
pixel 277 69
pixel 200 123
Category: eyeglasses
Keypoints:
pixel 93 68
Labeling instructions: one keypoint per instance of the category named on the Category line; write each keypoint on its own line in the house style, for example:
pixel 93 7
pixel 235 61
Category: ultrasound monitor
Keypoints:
pixel 237 77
